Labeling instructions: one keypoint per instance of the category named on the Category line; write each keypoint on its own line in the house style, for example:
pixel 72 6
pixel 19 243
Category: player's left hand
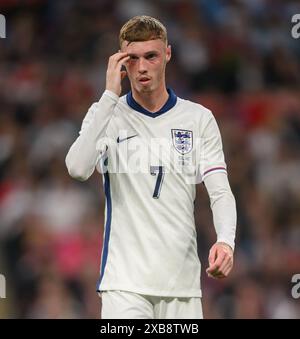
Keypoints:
pixel 220 261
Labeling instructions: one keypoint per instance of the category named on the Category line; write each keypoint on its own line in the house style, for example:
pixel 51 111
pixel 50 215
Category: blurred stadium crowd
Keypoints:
pixel 238 58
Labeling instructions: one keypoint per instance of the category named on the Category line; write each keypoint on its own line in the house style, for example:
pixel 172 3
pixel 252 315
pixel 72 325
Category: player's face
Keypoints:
pixel 147 64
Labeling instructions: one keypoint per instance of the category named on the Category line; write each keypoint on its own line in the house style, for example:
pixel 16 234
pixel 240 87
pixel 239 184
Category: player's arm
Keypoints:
pixel 85 151
pixel 222 202
pixel 224 217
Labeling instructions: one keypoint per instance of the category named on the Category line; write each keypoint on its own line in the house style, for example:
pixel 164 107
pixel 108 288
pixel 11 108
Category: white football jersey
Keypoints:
pixel 151 163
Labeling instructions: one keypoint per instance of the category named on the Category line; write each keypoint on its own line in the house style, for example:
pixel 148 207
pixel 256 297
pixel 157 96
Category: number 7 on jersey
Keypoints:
pixel 159 171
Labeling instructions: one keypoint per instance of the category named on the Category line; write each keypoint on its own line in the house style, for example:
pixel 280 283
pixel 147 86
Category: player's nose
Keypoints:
pixel 142 66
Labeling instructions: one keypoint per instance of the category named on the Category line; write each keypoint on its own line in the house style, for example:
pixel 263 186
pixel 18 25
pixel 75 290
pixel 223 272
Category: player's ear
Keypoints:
pixel 168 53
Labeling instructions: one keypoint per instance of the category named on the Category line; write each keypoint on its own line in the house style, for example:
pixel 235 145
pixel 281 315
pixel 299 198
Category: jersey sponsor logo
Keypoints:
pixel 182 140
pixel 123 139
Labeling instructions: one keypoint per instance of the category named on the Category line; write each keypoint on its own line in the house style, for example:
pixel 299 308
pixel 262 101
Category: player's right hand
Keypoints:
pixel 114 75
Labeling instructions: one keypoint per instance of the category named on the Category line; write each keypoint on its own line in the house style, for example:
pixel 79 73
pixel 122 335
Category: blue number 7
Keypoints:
pixel 161 173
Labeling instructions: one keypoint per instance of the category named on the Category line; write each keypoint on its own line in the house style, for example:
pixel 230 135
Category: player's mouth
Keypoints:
pixel 144 80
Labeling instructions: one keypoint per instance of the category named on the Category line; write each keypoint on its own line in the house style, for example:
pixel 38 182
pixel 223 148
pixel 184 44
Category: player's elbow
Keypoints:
pixel 75 169
pixel 78 175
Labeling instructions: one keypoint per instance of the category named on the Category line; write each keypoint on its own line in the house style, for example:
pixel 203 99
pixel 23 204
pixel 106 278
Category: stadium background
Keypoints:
pixel 238 58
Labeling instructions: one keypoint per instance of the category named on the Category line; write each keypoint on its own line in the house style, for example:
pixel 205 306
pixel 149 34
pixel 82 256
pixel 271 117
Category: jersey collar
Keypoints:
pixel 170 103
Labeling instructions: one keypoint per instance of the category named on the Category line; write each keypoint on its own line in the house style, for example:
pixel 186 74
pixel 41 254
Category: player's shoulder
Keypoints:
pixel 122 102
pixel 194 108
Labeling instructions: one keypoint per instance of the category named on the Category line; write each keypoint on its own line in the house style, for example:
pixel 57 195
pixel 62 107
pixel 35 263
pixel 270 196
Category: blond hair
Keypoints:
pixel 142 28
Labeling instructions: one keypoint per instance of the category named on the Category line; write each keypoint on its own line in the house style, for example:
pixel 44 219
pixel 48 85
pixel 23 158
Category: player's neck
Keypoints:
pixel 152 101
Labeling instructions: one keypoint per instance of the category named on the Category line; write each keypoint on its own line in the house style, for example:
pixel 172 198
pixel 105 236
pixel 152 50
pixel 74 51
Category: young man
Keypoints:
pixel 153 147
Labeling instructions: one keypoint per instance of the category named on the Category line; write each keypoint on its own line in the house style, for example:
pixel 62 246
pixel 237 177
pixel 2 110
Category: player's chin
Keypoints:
pixel 145 88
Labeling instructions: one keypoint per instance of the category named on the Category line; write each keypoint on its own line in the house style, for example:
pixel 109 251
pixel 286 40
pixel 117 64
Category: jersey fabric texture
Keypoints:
pixel 150 164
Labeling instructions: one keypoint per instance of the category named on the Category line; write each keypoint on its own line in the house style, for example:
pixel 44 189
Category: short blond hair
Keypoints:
pixel 142 28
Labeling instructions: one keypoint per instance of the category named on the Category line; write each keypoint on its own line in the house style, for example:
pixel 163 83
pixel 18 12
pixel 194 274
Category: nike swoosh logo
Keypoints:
pixel 120 140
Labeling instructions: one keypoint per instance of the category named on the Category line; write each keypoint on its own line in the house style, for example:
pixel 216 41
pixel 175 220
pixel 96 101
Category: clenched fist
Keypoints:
pixel 114 75
pixel 220 260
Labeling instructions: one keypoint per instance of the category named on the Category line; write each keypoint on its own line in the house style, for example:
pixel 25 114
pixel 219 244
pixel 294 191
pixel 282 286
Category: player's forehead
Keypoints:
pixel 143 47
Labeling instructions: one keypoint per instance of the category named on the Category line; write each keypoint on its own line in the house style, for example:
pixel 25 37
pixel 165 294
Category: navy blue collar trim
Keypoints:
pixel 171 102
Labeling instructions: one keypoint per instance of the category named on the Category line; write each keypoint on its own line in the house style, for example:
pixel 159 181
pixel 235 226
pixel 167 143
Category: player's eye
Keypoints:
pixel 151 56
pixel 133 57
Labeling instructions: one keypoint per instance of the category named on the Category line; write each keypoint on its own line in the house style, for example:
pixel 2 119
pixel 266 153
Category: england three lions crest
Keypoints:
pixel 182 140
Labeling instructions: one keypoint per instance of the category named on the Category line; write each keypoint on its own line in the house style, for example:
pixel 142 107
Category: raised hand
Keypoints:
pixel 114 75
